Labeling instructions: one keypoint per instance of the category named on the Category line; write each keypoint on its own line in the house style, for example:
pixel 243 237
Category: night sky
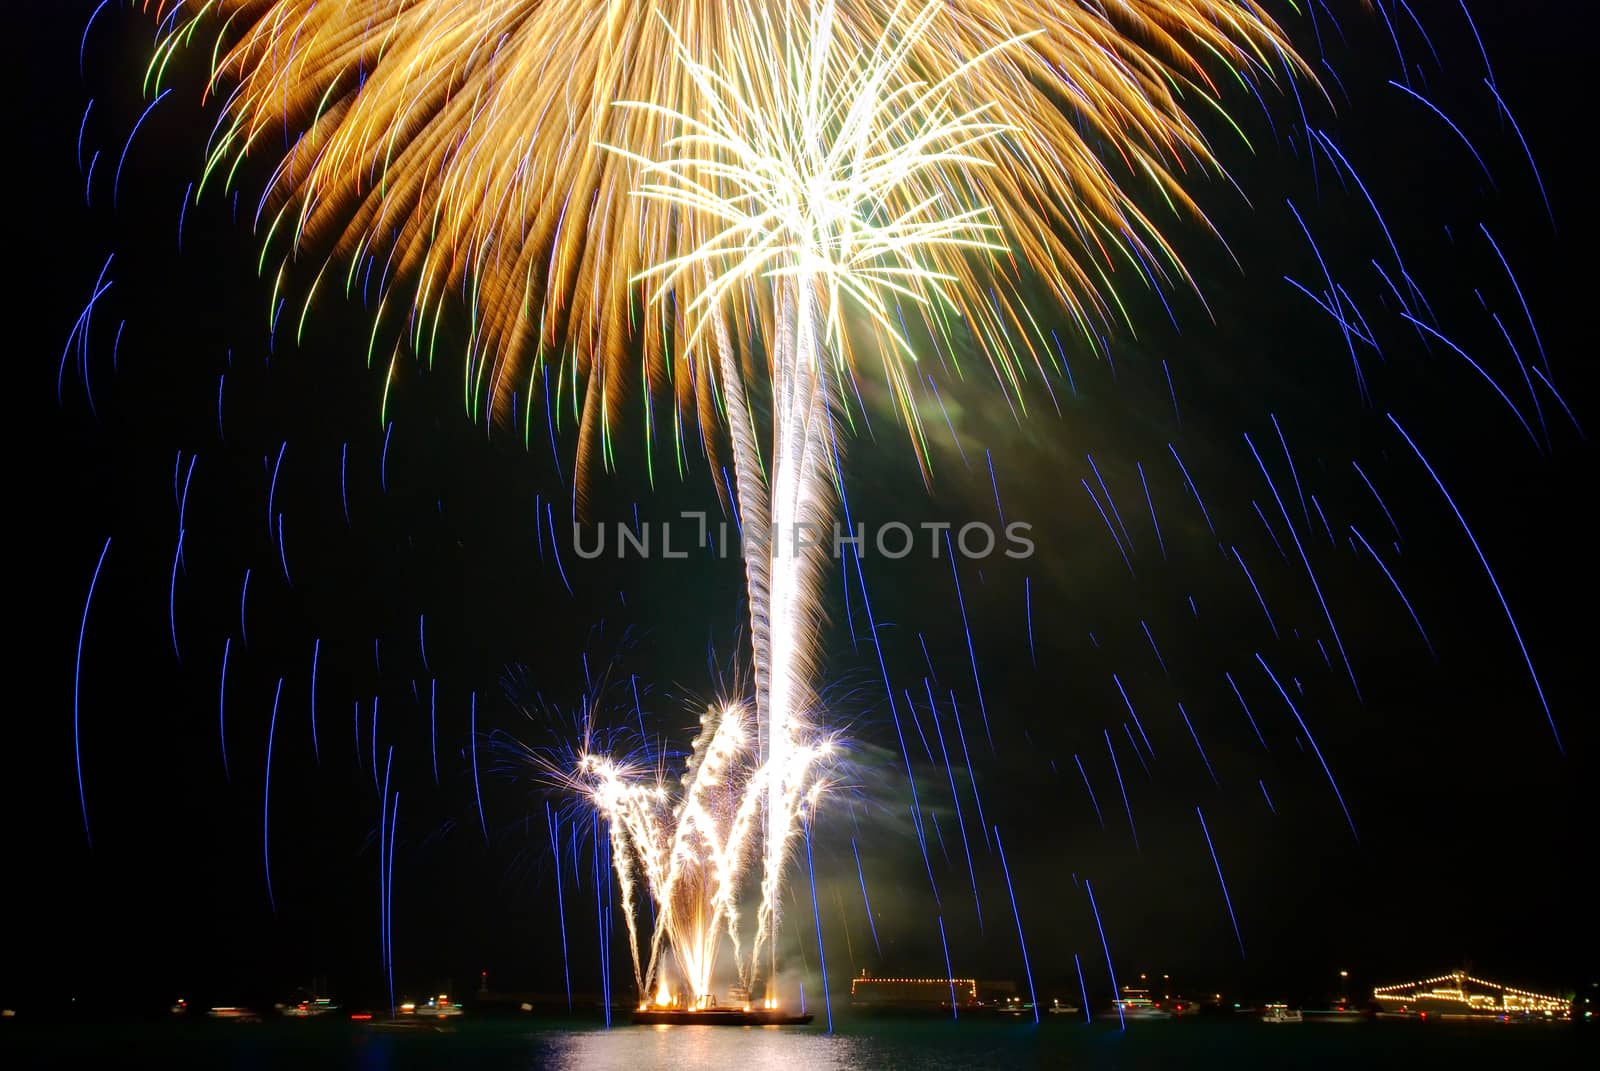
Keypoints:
pixel 1473 824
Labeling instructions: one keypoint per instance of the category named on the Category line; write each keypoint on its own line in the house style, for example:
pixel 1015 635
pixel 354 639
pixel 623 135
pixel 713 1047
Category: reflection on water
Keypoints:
pixel 749 1049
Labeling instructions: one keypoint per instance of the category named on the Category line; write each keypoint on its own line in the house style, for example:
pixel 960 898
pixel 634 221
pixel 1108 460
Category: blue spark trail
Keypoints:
pixel 1226 899
pixel 1506 111
pixel 1017 914
pixel 1126 805
pixel 433 725
pixel 1194 489
pixel 1527 312
pixel 1480 370
pixel 1484 560
pixel 1199 746
pixel 971 652
pixel 374 745
pixel 1557 396
pixel 966 756
pixel 1159 660
pixel 1114 537
pixel 1129 703
pixel 316 653
pixel 949 974
pixel 1090 789
pixel 1246 707
pixel 1266 797
pixel 1268 526
pixel 550 518
pixel 1107 946
pixel 1160 542
pixel 995 484
pixel 388 895
pixel 1027 606
pixel 222 708
pixel 422 640
pixel 172 597
pixel 1257 590
pixel 1379 499
pixel 1172 391
pixel 1296 475
pixel 816 918
pixel 266 799
pixel 244 594
pixel 383 460
pixel 344 466
pixel 1109 500
pixel 272 488
pixel 116 182
pixel 283 554
pixel 1397 590
pixel 1309 571
pixel 1134 744
pixel 956 797
pixel 77 683
pixel 1314 748
pixel 1083 988
pixel 1451 124
pixel 916 806
pixel 553 822
pixel 476 790
pixel 1478 38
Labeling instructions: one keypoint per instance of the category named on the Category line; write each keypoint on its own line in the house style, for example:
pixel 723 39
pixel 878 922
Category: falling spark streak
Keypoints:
pixel 1110 969
pixel 477 791
pixel 1266 797
pixel 77 684
pixel 816 919
pixel 244 594
pixel 1027 606
pixel 1129 704
pixel 966 757
pixel 1157 651
pixel 116 183
pixel 949 973
pixel 1526 311
pixel 266 800
pixel 553 822
pixel 866 900
pixel 172 597
pixel 1537 178
pixel 1090 789
pixel 956 798
pixel 1268 613
pixel 1484 561
pixel 1314 748
pixel 433 726
pixel 1114 537
pixel 972 653
pixel 1199 746
pixel 1082 988
pixel 1226 899
pixel 1309 571
pixel 1398 591
pixel 1246 708
pixel 1451 124
pixel 1193 488
pixel 1017 914
pixel 1156 524
pixel 1126 805
pixel 316 653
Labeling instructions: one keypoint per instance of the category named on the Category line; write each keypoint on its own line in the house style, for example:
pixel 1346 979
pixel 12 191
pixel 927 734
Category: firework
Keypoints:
pixel 774 184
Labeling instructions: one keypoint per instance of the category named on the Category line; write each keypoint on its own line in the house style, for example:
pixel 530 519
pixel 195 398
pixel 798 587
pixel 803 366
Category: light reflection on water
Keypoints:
pixel 749 1049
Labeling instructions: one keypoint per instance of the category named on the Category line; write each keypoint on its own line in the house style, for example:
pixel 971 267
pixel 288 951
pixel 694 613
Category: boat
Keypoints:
pixel 439 1007
pixel 1280 1013
pixel 306 1005
pixel 1058 1008
pixel 742 1016
pixel 1135 1004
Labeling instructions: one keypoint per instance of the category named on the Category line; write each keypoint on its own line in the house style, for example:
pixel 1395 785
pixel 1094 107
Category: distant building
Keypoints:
pixel 1458 995
pixel 907 992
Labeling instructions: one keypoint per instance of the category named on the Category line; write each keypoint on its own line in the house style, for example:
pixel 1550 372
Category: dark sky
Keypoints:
pixel 1471 822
